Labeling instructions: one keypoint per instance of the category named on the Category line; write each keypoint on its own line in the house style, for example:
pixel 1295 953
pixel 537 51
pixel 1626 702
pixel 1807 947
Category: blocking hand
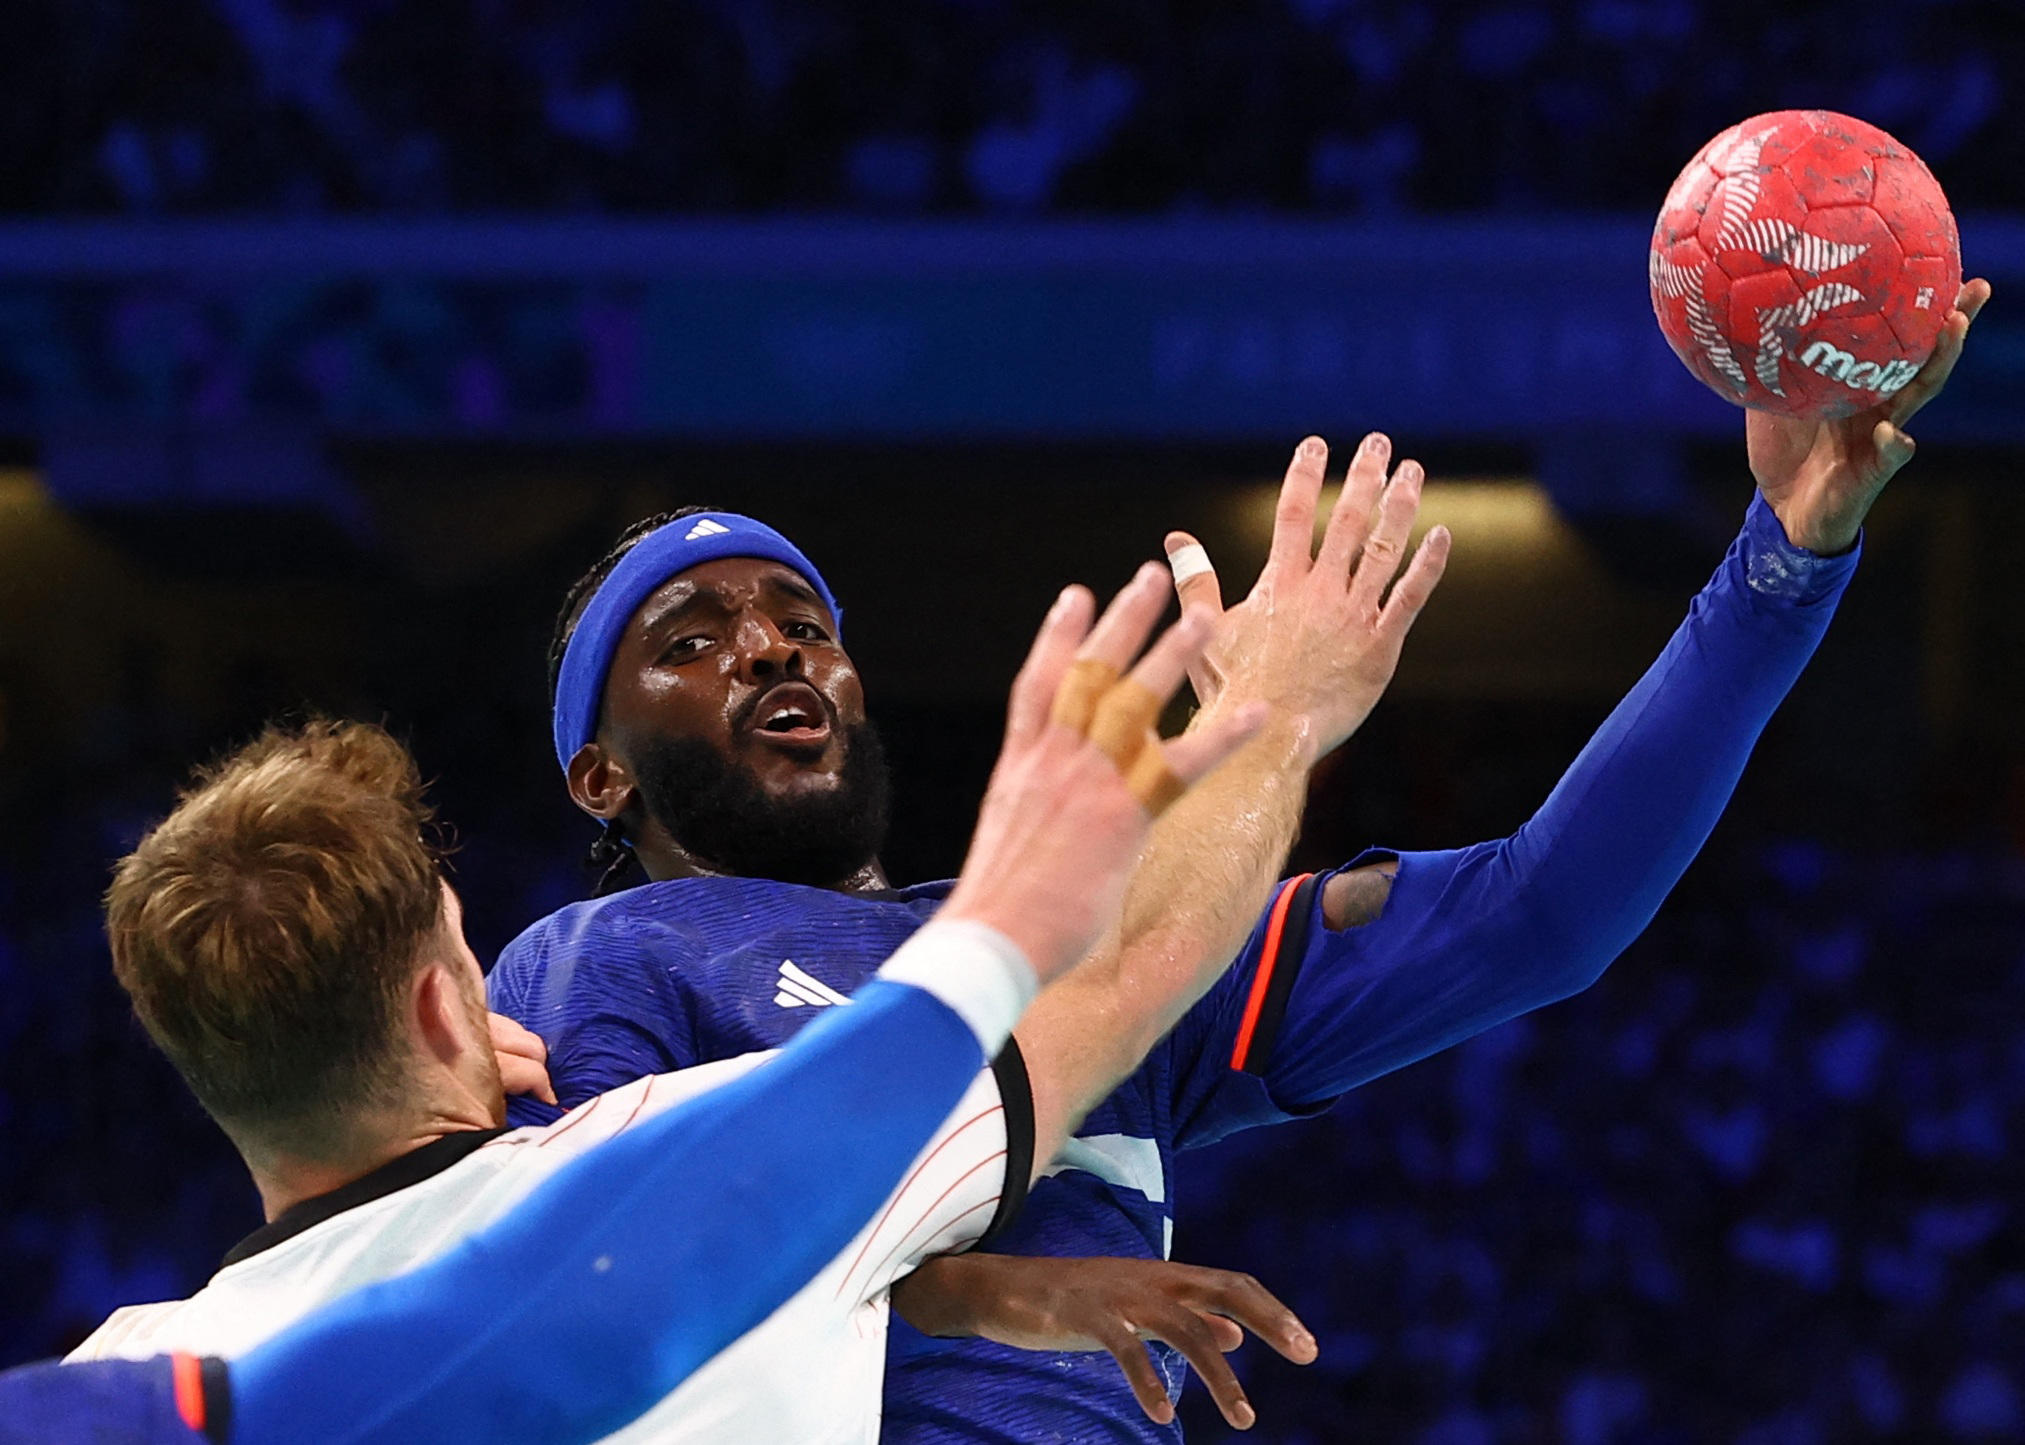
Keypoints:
pixel 1317 639
pixel 1820 477
pixel 1082 773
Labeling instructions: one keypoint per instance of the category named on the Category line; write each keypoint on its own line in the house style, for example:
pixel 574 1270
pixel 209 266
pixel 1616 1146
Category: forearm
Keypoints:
pixel 642 1260
pixel 1636 806
pixel 1207 869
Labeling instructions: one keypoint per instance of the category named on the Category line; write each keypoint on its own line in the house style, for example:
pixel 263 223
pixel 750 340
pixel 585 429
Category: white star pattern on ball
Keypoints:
pixel 1779 242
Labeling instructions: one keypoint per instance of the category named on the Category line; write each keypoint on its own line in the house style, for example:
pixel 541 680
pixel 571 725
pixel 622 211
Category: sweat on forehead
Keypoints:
pixel 651 563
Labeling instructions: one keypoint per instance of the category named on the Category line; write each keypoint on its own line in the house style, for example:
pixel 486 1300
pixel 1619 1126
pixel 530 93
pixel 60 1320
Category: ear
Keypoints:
pixel 599 782
pixel 440 1014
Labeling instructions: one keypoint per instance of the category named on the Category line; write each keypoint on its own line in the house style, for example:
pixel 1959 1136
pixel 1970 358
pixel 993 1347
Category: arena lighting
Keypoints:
pixel 1503 518
pixel 21 495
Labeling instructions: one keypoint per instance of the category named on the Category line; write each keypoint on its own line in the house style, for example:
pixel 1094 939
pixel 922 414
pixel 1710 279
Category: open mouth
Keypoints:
pixel 792 715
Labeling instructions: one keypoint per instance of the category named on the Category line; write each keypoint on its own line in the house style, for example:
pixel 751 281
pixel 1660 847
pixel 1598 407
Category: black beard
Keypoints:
pixel 719 814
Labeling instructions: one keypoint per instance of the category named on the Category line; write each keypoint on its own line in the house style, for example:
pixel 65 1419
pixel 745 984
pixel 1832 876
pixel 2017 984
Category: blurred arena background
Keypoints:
pixel 336 338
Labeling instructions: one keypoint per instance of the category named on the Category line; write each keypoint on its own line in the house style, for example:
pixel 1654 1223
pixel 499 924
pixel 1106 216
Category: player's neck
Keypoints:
pixel 285 1180
pixel 674 861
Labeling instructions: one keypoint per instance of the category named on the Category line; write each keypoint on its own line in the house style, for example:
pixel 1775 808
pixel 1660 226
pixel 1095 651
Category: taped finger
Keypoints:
pixel 1124 720
pixel 1035 687
pixel 1087 681
pixel 1189 561
pixel 1152 782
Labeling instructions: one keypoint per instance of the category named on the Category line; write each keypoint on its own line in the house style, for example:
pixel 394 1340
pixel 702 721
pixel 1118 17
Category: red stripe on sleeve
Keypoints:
pixel 1269 958
pixel 188 1373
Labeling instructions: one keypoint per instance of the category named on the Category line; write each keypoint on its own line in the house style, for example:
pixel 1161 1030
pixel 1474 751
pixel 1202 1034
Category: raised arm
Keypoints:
pixel 1408 955
pixel 1311 648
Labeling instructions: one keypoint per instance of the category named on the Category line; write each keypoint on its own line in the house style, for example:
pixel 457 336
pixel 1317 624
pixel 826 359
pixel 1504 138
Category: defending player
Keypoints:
pixel 626 1306
pixel 285 939
pixel 668 677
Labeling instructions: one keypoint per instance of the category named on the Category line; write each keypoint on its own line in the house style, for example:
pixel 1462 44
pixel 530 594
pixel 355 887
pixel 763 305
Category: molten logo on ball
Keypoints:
pixel 1804 263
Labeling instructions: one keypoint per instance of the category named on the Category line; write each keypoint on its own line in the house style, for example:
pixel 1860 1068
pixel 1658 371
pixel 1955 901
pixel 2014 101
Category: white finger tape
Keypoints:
pixel 1189 562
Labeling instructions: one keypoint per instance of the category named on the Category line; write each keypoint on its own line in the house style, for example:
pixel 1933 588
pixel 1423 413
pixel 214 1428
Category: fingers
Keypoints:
pixel 1894 449
pixel 1387 543
pixel 1195 754
pixel 1189 1333
pixel 1196 584
pixel 1973 297
pixel 1351 516
pixel 1160 671
pixel 1128 621
pixel 522 1058
pixel 509 1036
pixel 1040 676
pixel 1294 517
pixel 1423 574
pixel 1110 646
pixel 1124 716
pixel 1969 302
pixel 1195 581
pixel 1250 1304
pixel 1147 1386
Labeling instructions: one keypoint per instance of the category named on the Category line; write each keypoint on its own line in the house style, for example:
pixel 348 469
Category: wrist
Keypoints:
pixel 934 1299
pixel 1779 564
pixel 1287 740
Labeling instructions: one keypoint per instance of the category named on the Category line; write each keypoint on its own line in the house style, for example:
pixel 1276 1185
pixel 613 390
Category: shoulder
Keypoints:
pixel 129 1333
pixel 611 1113
pixel 599 939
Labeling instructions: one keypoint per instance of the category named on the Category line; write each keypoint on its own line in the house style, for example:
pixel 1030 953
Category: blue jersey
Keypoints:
pixel 681 972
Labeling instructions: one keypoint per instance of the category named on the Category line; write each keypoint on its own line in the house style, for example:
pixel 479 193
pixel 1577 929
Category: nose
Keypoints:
pixel 764 652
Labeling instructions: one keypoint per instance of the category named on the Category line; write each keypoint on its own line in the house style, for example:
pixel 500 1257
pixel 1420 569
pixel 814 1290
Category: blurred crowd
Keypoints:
pixel 961 106
pixel 1759 1186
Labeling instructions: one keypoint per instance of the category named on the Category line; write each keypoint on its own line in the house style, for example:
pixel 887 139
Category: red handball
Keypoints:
pixel 1804 263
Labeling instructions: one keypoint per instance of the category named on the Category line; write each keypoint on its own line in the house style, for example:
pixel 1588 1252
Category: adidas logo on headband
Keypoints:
pixel 706 528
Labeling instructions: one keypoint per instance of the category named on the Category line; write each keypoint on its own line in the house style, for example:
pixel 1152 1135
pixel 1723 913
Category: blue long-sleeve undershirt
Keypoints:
pixel 1471 937
pixel 637 1263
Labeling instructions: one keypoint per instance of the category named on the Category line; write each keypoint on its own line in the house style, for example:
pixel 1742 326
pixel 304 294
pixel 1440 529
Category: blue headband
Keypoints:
pixel 684 543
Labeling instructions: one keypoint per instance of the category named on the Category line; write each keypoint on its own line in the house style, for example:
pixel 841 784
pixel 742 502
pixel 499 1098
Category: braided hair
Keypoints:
pixel 612 854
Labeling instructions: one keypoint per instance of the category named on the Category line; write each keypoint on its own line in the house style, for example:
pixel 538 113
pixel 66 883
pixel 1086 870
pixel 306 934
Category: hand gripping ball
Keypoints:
pixel 1804 263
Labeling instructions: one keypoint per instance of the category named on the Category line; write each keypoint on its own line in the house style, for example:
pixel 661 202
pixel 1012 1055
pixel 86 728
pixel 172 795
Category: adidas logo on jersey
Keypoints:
pixel 800 990
pixel 706 528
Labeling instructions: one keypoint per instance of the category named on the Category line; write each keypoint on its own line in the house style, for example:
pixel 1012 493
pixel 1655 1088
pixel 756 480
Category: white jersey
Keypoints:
pixel 811 1372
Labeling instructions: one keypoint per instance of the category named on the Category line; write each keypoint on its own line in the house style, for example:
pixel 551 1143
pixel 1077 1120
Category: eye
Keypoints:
pixel 686 647
pixel 806 631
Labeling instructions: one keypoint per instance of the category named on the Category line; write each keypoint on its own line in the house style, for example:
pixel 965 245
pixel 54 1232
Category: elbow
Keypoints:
pixel 1569 947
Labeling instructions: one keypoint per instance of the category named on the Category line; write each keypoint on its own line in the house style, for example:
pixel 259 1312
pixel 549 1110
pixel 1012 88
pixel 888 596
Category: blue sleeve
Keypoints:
pixel 131 1401
pixel 607 995
pixel 1471 937
pixel 636 1264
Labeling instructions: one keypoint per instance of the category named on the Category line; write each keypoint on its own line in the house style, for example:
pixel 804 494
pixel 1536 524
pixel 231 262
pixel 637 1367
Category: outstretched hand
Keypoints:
pixel 1820 477
pixel 1317 639
pixel 1113 1305
pixel 1082 773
